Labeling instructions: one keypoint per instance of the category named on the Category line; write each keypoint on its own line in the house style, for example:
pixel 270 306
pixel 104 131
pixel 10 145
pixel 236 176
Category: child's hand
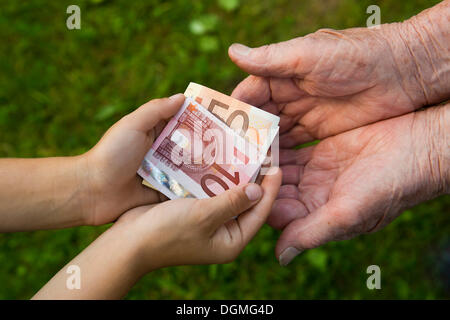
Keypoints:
pixel 93 188
pixel 193 231
pixel 184 231
pixel 111 165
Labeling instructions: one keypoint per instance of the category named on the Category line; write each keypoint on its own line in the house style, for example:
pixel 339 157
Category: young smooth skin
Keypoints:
pixel 177 232
pixel 98 186
pixel 91 189
pixel 329 82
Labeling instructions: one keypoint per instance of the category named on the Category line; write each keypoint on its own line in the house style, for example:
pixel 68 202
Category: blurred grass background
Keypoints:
pixel 60 90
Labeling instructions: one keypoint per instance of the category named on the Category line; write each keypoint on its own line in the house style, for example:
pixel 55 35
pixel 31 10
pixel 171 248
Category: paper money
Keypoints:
pixel 147 184
pixel 197 155
pixel 256 125
pixel 160 181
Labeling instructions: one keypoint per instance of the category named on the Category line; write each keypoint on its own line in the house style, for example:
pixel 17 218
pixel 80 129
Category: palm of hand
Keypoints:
pixel 349 184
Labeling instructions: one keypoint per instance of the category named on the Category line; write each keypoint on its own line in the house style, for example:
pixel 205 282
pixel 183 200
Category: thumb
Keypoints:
pixel 293 58
pixel 310 232
pixel 231 203
pixel 147 116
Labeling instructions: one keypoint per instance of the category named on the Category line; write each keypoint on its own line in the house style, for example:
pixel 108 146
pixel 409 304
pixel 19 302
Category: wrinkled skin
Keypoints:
pixel 341 86
pixel 331 81
pixel 359 181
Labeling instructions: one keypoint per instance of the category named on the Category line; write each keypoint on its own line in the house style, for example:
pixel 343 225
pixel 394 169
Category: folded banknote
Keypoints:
pixel 256 125
pixel 251 128
pixel 201 154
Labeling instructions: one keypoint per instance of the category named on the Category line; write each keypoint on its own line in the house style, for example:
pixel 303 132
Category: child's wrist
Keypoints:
pixel 143 250
pixel 86 192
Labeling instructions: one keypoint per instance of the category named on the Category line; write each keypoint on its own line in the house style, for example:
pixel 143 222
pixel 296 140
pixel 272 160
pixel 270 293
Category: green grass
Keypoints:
pixel 60 90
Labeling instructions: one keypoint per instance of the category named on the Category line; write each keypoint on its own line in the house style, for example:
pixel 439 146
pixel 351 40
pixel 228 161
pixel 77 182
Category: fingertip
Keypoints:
pixel 273 171
pixel 177 97
pixel 253 191
pixel 287 255
pixel 237 50
pixel 274 175
pixel 230 51
pixel 173 103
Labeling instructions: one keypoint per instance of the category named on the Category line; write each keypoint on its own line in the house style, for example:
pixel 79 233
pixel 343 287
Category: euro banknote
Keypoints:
pixel 256 125
pixel 197 155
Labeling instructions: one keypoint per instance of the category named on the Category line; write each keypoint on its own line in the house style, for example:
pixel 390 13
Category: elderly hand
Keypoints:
pixel 332 81
pixel 359 181
pixel 176 232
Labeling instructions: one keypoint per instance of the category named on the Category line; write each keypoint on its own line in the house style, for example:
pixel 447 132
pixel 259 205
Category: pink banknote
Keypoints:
pixel 200 153
pixel 258 126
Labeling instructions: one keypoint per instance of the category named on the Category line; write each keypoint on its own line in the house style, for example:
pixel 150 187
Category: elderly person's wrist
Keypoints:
pixel 442 143
pixel 432 136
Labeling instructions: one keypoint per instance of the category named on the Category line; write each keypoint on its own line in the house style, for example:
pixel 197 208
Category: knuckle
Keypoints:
pixel 329 32
pixel 323 30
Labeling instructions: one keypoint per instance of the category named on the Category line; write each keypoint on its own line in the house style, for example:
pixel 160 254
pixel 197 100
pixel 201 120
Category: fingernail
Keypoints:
pixel 240 49
pixel 253 192
pixel 287 255
pixel 271 171
pixel 175 96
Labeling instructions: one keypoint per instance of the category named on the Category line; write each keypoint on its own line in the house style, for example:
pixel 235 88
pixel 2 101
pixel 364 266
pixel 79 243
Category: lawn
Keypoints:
pixel 60 90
